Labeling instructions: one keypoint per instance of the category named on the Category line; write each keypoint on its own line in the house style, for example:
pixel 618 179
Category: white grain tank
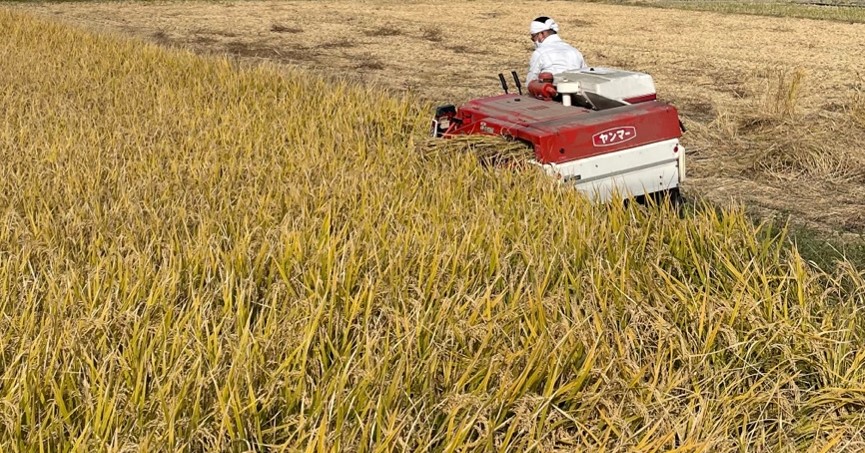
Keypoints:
pixel 611 83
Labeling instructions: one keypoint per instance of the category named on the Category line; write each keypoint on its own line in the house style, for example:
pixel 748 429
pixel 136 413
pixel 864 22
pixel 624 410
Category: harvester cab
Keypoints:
pixel 602 130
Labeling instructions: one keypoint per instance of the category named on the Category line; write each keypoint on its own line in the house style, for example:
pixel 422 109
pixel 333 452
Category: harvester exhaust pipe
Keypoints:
pixel 517 82
pixel 504 84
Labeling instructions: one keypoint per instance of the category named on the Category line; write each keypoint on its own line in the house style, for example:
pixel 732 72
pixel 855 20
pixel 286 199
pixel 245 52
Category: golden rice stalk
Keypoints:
pixel 490 150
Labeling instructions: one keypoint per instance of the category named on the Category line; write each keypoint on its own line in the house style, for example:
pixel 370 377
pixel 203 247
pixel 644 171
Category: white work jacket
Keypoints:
pixel 554 55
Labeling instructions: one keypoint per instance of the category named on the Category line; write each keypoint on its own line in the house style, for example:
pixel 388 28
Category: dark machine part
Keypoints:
pixel 504 83
pixel 517 82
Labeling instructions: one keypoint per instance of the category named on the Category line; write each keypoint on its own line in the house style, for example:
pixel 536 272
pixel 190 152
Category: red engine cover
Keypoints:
pixel 561 134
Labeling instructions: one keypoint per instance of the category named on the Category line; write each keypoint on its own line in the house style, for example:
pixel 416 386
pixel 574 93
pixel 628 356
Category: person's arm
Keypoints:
pixel 534 67
pixel 583 63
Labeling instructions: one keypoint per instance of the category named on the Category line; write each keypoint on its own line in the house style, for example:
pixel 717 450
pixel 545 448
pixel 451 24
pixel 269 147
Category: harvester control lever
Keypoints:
pixel 517 82
pixel 504 84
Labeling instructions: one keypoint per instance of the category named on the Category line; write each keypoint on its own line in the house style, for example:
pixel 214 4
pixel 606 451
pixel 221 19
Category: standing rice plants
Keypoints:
pixel 857 104
pixel 200 257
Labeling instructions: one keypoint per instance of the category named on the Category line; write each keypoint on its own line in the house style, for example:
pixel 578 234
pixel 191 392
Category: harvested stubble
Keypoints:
pixel 835 10
pixel 773 137
pixel 199 257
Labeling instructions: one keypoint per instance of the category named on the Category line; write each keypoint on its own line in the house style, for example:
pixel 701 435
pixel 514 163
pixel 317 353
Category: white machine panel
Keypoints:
pixel 611 83
pixel 633 172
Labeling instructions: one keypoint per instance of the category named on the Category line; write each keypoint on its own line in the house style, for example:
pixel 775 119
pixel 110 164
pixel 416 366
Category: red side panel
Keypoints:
pixel 643 98
pixel 561 134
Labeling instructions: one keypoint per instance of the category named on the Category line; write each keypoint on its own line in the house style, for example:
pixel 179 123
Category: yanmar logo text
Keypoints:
pixel 614 136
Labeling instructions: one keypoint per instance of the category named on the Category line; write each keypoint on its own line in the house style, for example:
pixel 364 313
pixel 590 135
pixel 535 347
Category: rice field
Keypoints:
pixel 203 255
pixel 781 149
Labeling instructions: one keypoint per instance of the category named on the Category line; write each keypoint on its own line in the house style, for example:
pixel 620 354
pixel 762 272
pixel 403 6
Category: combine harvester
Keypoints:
pixel 601 129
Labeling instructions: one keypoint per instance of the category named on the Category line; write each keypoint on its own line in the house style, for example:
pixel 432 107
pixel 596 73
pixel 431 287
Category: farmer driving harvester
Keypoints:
pixel 601 130
pixel 551 53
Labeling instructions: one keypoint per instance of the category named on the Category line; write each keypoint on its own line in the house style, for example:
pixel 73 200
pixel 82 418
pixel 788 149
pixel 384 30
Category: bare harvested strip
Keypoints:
pixel 833 10
pixel 196 256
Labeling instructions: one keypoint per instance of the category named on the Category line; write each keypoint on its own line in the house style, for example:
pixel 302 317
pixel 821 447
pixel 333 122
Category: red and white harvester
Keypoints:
pixel 600 129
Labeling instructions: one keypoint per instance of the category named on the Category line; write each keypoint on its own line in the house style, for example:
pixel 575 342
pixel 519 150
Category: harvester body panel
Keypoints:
pixel 561 134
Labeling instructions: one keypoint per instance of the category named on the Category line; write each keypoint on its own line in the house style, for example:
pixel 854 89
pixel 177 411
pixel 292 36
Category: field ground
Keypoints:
pixel 852 11
pixel 773 104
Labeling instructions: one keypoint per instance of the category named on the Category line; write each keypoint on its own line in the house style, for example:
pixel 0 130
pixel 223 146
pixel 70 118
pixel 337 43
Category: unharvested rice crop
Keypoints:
pixel 197 256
